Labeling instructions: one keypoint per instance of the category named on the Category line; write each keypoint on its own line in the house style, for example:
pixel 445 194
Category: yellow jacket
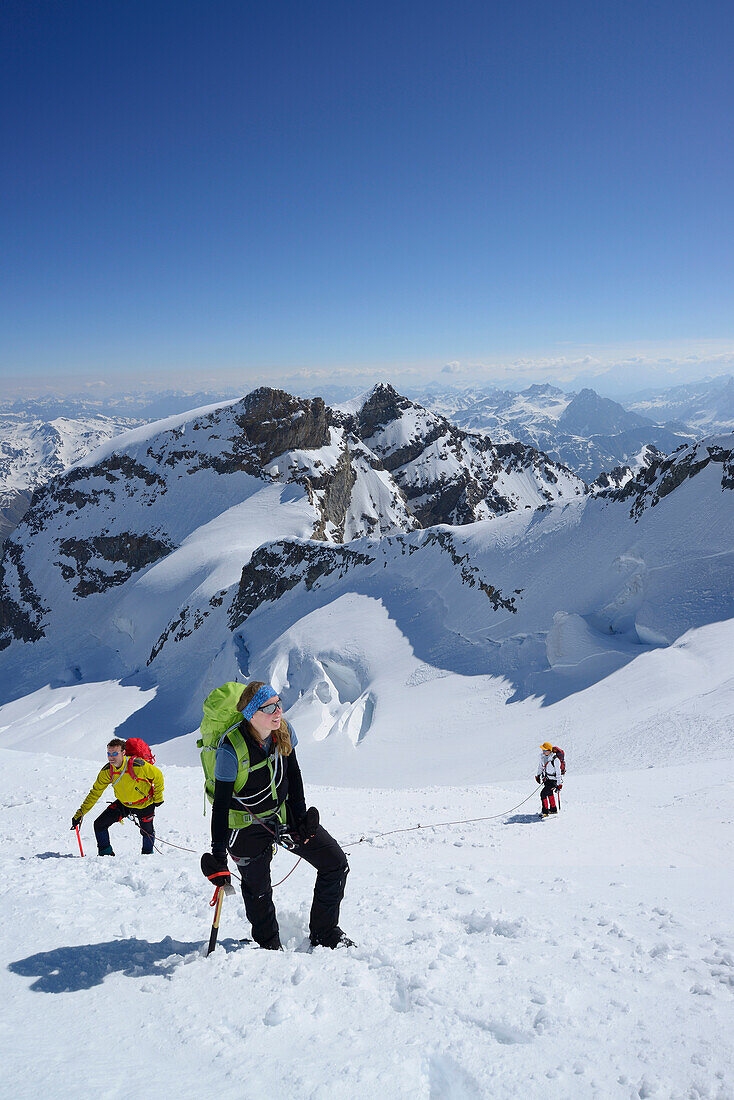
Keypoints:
pixel 136 784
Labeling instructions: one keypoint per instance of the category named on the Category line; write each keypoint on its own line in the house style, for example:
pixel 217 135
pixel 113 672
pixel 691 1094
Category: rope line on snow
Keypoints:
pixel 360 840
pixel 437 824
pixel 159 840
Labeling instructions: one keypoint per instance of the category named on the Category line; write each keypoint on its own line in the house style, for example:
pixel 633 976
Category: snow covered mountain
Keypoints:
pixel 274 537
pixel 704 407
pixel 536 606
pixel 135 405
pixel 449 475
pixel 137 551
pixel 621 475
pixel 588 433
pixel 33 451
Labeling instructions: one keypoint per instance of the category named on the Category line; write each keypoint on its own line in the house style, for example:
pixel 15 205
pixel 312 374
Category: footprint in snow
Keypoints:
pixel 446 1078
pixel 401 1000
pixel 510 929
pixel 278 1013
pixel 505 1033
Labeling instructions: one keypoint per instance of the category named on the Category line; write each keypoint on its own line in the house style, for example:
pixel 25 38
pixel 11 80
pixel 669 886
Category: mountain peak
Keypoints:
pixel 276 421
pixel 588 414
pixel 383 404
pixel 541 389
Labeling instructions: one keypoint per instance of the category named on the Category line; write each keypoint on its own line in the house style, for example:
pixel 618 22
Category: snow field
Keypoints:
pixel 591 955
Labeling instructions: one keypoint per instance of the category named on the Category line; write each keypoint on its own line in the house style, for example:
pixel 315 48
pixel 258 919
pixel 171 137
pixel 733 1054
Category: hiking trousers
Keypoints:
pixel 548 796
pixel 116 812
pixel 322 852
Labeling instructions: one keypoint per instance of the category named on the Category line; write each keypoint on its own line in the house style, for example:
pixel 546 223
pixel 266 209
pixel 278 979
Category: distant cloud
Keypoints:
pixel 612 370
pixel 609 369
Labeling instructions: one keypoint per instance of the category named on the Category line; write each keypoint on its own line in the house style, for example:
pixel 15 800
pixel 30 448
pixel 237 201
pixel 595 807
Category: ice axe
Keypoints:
pixel 216 902
pixel 79 839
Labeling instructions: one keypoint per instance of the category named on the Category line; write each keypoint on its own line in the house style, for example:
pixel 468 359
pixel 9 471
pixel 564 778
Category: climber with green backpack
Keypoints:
pixel 254 784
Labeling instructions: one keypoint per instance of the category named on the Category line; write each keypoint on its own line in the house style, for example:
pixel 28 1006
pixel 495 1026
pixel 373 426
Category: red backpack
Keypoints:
pixel 560 754
pixel 134 746
pixel 135 749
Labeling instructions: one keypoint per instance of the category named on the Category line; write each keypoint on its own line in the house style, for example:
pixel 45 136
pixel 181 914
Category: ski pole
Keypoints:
pixel 216 902
pixel 79 840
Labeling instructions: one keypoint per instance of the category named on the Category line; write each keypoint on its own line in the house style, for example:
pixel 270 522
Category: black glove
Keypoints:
pixel 537 779
pixel 76 822
pixel 306 826
pixel 215 868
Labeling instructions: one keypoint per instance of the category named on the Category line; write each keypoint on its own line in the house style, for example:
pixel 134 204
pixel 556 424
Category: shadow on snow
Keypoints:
pixel 70 969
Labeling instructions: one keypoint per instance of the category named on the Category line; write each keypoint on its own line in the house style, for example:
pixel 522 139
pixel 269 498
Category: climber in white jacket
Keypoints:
pixel 550 776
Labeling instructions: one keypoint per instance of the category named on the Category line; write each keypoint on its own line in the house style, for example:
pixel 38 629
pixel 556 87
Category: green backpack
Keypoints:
pixel 221 718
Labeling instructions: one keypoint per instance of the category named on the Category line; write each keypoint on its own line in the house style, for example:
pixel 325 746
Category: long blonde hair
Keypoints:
pixel 282 734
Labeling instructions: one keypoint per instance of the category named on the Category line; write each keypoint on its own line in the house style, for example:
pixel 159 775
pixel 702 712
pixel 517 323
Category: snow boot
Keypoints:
pixel 273 945
pixel 335 938
pixel 106 851
pixel 553 810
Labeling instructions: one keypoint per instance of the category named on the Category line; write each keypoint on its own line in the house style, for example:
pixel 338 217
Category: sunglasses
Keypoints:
pixel 271 708
pixel 118 753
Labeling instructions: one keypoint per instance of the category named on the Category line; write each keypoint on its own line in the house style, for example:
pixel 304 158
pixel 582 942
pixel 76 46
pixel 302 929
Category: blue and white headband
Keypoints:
pixel 267 691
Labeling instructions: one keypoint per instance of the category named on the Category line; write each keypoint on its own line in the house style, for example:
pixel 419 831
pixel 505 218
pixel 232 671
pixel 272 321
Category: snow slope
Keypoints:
pixel 32 451
pixel 591 955
pixel 534 621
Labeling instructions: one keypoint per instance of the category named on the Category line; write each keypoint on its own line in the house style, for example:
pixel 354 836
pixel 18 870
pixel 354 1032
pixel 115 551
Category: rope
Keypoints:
pixel 160 840
pixel 353 843
pixel 287 876
pixel 437 824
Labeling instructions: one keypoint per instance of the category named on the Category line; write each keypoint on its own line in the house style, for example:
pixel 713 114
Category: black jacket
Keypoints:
pixel 256 796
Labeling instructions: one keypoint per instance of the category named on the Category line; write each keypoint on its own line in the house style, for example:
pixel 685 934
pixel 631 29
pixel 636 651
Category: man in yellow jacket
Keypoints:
pixel 138 788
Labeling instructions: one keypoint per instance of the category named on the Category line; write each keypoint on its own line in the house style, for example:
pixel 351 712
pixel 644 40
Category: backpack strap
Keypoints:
pixel 129 769
pixel 240 819
pixel 239 745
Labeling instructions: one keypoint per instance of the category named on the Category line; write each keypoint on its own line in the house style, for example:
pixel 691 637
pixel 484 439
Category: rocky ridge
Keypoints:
pixel 665 473
pixel 449 475
pixel 112 516
pixel 390 467
pixel 276 569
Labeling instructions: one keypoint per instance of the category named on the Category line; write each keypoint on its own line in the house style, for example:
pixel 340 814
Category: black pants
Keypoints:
pixel 115 812
pixel 548 797
pixel 253 851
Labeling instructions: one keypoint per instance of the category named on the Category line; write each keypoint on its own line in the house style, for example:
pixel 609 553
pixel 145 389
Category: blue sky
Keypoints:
pixel 273 188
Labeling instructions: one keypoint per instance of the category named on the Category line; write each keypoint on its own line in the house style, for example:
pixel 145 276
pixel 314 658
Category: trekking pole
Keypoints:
pixel 79 839
pixel 216 902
